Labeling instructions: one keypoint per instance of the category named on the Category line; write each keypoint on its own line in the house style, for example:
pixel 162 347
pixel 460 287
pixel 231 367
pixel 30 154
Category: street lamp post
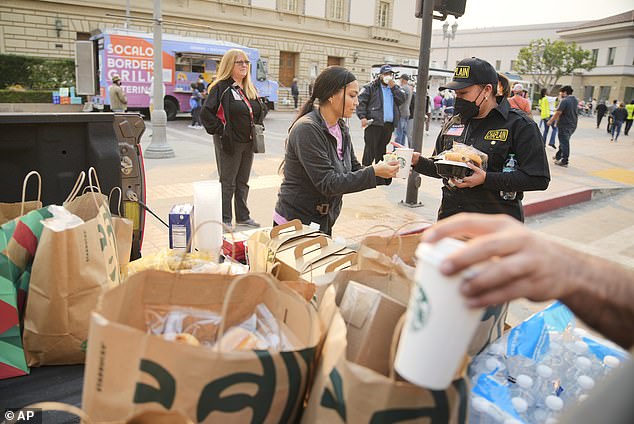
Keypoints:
pixel 449 36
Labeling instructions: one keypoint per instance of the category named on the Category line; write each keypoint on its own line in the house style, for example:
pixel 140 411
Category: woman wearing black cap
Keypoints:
pixel 493 127
pixel 320 165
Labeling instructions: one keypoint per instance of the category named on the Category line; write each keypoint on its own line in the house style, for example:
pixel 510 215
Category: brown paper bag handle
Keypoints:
pixel 394 345
pixel 225 306
pixel 350 257
pixel 24 184
pixel 118 201
pixel 295 223
pixel 76 188
pixel 301 248
pixel 417 221
pixel 272 284
pixel 63 407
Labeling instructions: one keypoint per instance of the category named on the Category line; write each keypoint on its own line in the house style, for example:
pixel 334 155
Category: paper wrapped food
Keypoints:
pixel 452 163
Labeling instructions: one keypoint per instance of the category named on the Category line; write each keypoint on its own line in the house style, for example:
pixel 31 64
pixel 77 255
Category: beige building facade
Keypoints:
pixel 296 38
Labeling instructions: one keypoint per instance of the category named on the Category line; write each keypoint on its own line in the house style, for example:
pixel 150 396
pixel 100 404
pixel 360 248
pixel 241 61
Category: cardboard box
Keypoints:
pixel 371 318
pixel 264 244
pixel 180 227
pixel 298 262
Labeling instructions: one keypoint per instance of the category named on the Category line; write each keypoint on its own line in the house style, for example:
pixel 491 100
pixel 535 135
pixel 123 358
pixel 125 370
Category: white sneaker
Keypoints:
pixel 426 132
pixel 191 126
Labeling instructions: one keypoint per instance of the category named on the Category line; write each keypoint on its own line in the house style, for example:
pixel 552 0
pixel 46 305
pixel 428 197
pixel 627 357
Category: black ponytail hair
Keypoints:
pixel 327 83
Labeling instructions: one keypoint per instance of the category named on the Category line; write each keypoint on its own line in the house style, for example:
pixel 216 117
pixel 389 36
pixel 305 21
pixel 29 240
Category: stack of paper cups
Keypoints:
pixel 208 207
pixel 438 323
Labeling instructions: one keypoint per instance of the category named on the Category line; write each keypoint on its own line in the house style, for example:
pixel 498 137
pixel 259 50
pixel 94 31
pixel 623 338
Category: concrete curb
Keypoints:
pixel 568 198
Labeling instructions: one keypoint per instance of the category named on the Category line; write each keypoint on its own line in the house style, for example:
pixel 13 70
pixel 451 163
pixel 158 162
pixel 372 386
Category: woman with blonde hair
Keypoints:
pixel 231 109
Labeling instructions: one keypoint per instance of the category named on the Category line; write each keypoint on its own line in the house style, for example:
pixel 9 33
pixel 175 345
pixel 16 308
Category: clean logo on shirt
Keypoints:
pixel 462 72
pixel 497 135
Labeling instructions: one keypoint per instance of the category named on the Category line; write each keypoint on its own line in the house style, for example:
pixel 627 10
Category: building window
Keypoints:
pixel 337 10
pixel 384 15
pixel 513 64
pixel 611 54
pixel 296 6
pixel 604 92
pixel 498 63
pixel 595 56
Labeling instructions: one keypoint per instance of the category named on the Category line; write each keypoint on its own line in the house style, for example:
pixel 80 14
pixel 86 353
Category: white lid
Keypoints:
pixel 519 404
pixel 611 361
pixel 492 364
pixel 524 381
pixel 580 332
pixel 436 253
pixel 586 383
pixel 496 349
pixel 544 371
pixel 479 404
pixel 580 346
pixel 583 363
pixel 554 403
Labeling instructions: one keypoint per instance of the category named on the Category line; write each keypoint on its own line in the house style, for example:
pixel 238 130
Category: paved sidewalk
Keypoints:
pixel 596 164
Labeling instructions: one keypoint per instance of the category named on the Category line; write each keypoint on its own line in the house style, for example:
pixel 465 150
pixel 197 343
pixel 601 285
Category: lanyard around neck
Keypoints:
pixel 245 100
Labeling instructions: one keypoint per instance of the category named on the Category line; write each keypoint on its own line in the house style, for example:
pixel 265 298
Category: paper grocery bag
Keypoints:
pixel 389 253
pixel 345 392
pixel 130 371
pixel 19 240
pixel 123 229
pixel 10 211
pixel 71 269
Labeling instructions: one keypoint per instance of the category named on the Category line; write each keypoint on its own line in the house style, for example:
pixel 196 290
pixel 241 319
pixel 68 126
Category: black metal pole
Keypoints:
pixel 413 182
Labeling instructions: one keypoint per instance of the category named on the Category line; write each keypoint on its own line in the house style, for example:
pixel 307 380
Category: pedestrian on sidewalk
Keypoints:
pixel 401 134
pixel 619 115
pixel 295 93
pixel 319 164
pixel 231 109
pixel 565 118
pixel 547 109
pixel 195 103
pixel 601 111
pixel 611 109
pixel 118 99
pixel 496 129
pixel 379 101
pixel 630 116
pixel 518 101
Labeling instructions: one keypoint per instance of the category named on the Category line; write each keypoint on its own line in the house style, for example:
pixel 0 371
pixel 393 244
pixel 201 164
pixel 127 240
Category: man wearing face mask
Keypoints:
pixel 493 127
pixel 379 103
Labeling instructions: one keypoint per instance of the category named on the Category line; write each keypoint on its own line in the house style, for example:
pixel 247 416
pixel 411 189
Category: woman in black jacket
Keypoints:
pixel 320 165
pixel 231 109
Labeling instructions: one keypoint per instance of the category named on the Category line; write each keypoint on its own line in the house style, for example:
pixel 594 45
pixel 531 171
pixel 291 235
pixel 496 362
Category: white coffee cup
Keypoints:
pixel 405 161
pixel 438 324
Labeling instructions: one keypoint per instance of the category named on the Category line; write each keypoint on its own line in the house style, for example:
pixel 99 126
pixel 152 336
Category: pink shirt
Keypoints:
pixel 335 131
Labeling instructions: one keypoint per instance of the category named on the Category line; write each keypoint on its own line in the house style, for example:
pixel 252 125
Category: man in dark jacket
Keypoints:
pixel 379 102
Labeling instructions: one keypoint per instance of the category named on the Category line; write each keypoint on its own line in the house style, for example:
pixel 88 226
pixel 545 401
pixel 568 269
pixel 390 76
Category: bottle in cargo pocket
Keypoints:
pixel 509 166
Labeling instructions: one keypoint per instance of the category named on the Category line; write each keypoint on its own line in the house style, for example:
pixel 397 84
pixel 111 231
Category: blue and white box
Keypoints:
pixel 181 226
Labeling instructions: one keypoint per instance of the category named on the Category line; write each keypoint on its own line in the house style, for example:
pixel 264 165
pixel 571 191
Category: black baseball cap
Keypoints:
pixel 385 69
pixel 472 71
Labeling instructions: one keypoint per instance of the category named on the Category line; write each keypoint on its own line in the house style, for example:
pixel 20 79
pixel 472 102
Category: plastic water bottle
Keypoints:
pixel 509 166
pixel 523 388
pixel 582 366
pixel 521 407
pixel 609 363
pixel 543 384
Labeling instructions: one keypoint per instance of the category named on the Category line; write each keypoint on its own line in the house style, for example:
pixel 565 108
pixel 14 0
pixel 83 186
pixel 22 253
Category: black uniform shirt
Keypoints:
pixel 501 132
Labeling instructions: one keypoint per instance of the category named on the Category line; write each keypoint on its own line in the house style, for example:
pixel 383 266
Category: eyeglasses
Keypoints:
pixel 242 62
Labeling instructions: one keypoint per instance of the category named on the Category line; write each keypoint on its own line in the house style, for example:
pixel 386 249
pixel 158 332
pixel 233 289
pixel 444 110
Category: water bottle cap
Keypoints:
pixel 544 371
pixel 437 252
pixel 580 332
pixel 479 404
pixel 611 361
pixel 496 349
pixel 492 364
pixel 586 383
pixel 583 363
pixel 524 381
pixel 554 403
pixel 519 404
pixel 580 347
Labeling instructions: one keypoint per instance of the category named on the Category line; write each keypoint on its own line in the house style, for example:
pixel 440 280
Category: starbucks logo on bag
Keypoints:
pixel 401 162
pixel 421 309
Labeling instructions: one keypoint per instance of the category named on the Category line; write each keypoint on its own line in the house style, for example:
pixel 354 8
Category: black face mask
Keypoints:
pixel 467 109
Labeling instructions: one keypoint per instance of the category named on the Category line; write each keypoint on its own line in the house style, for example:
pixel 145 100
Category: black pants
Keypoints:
pixel 234 170
pixel 376 138
pixel 296 100
pixel 599 119
pixel 628 125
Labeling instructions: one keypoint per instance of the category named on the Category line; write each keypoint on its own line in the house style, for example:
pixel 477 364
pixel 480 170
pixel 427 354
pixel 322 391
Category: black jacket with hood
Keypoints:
pixel 371 102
